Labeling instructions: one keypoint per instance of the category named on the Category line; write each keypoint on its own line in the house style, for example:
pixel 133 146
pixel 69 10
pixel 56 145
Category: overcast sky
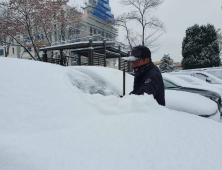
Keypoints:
pixel 177 16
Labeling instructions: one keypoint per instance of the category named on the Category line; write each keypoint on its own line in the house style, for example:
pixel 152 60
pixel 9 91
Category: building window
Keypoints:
pixel 29 48
pixel 77 30
pixel 1 52
pixel 13 51
pixel 70 33
pixel 50 37
pixel 63 35
pixel 55 33
pixel 94 31
pixel 91 30
pixel 55 36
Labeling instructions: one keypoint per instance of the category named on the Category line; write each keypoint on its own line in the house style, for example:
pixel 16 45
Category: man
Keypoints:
pixel 148 78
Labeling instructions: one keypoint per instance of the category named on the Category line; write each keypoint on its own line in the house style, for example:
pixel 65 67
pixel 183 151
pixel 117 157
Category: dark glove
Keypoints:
pixel 131 93
pixel 138 93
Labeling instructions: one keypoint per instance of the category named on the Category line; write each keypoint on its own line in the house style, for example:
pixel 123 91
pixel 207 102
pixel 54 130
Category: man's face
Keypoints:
pixel 140 62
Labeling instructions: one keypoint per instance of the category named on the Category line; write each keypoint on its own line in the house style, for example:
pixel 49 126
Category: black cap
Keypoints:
pixel 141 52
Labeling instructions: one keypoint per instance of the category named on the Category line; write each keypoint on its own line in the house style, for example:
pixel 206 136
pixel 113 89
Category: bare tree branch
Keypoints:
pixel 148 28
pixel 28 19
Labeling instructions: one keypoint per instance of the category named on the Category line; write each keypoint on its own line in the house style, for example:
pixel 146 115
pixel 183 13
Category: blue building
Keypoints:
pixel 98 19
pixel 103 11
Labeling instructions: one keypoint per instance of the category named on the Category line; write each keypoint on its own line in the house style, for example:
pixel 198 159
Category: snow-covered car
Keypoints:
pixel 215 71
pixel 183 83
pixel 196 81
pixel 176 100
pixel 207 77
pixel 48 121
pixel 193 103
pixel 215 97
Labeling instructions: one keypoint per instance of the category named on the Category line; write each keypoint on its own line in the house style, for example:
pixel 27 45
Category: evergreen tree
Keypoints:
pixel 166 64
pixel 200 47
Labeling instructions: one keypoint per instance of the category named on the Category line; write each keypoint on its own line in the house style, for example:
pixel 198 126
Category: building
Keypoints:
pixel 96 21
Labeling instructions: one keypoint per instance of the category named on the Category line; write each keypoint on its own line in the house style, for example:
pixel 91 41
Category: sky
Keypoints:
pixel 56 119
pixel 177 16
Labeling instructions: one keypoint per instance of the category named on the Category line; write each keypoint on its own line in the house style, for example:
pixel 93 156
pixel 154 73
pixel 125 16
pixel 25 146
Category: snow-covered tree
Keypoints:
pixel 219 40
pixel 167 64
pixel 200 47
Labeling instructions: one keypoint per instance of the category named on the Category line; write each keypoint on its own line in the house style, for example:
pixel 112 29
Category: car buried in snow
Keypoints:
pixel 196 81
pixel 207 77
pixel 188 100
pixel 213 114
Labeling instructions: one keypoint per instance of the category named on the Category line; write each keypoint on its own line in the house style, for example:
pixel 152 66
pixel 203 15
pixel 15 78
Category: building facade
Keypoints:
pixel 96 21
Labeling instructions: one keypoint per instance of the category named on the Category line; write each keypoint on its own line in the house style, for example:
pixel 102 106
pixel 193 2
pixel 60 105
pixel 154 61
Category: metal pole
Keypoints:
pixel 44 56
pixel 130 68
pixel 104 47
pixel 119 58
pixel 124 80
pixel 90 58
pixel 61 57
pixel 79 59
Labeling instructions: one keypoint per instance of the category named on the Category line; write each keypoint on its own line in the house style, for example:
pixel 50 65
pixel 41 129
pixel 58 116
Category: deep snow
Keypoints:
pixel 180 82
pixel 55 118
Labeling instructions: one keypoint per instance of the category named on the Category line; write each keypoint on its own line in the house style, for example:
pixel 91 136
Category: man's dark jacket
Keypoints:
pixel 148 79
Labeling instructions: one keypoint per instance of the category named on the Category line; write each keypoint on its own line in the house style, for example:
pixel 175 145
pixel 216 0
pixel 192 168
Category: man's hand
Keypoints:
pixel 138 93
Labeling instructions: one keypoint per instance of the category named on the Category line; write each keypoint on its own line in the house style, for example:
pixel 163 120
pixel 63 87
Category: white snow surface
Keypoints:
pixel 48 122
pixel 216 72
pixel 175 80
pixel 197 81
pixel 215 80
pixel 180 82
pixel 176 100
pixel 131 58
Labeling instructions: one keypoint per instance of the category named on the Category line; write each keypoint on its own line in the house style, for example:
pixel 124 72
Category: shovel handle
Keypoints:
pixel 124 82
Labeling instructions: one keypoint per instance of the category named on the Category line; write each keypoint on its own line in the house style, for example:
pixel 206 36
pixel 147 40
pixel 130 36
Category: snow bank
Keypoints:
pixel 47 122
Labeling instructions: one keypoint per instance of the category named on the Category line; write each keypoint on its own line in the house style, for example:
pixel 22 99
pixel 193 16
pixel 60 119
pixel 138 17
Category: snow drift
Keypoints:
pixel 49 120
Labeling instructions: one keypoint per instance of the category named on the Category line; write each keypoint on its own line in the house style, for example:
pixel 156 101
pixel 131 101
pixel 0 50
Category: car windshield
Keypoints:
pixel 168 84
